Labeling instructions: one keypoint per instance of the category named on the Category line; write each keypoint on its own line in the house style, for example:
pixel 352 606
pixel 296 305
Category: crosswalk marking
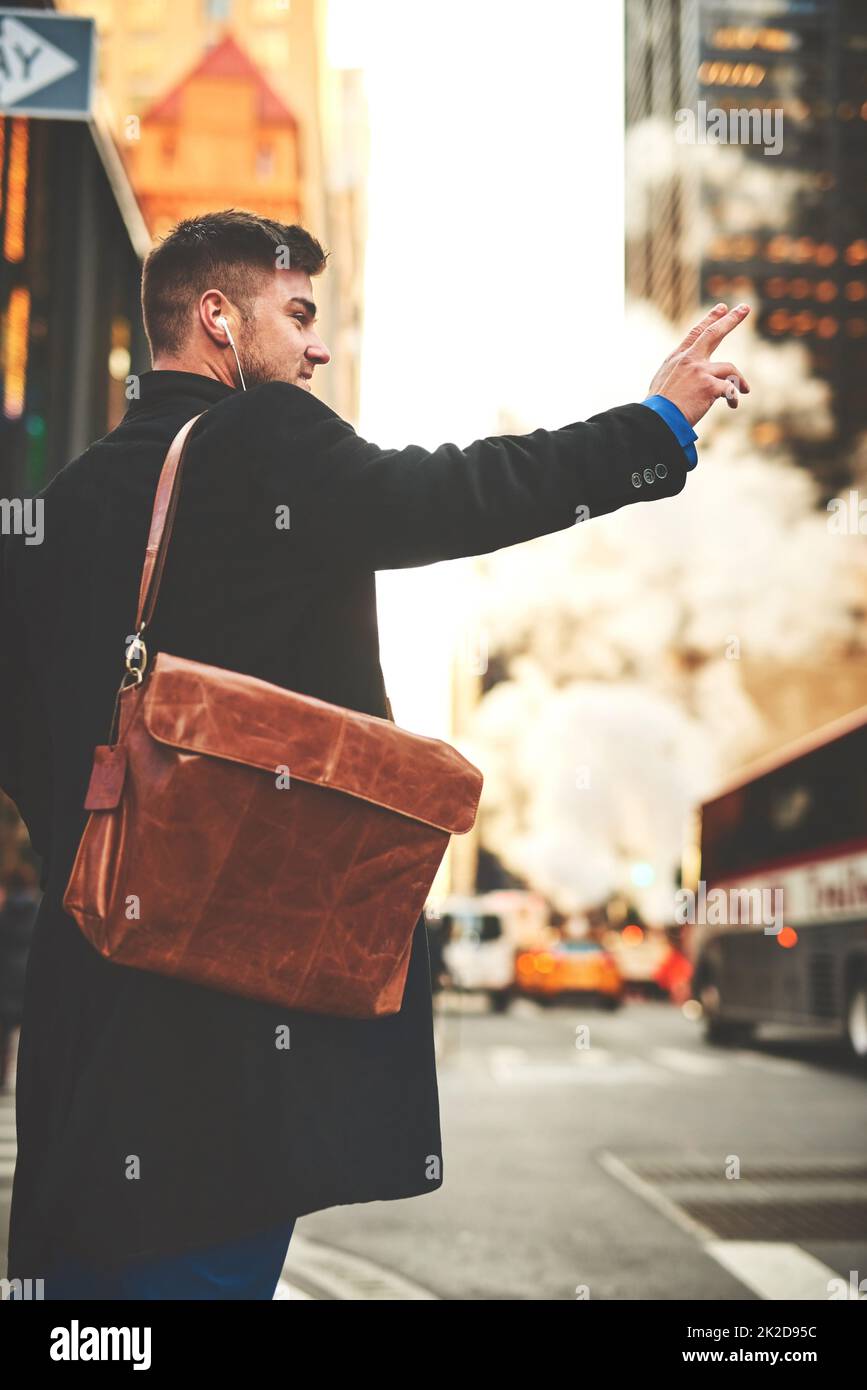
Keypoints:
pixel 516 1066
pixel 681 1059
pixel 773 1269
pixel 510 1066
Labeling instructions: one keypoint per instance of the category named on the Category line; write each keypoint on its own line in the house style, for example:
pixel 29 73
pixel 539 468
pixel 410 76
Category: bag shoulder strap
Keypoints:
pixel 162 523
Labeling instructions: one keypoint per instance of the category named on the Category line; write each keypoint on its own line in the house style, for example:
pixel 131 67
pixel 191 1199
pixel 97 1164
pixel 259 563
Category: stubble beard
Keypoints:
pixel 258 369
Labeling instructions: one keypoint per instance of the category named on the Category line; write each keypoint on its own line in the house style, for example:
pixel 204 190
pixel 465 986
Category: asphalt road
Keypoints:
pixel 647 1165
pixel 643 1165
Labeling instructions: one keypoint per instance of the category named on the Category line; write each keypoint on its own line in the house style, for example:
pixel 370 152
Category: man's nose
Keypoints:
pixel 318 352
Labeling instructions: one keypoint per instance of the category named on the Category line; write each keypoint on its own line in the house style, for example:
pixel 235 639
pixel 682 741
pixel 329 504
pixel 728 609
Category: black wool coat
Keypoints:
pixel 231 1134
pixel 17 916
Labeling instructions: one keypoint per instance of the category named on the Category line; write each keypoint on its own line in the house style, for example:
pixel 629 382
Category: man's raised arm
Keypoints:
pixel 396 508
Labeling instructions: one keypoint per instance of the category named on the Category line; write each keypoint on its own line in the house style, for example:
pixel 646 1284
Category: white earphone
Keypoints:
pixel 224 323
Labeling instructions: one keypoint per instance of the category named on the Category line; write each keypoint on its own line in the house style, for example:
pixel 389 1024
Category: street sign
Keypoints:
pixel 46 64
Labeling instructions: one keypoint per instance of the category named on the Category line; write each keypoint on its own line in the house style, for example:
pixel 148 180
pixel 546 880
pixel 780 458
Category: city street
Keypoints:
pixel 605 1167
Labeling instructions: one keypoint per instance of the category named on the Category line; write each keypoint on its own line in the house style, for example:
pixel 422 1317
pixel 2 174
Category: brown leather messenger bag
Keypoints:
pixel 252 839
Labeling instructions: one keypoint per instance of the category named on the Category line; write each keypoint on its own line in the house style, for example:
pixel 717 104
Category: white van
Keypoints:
pixel 482 936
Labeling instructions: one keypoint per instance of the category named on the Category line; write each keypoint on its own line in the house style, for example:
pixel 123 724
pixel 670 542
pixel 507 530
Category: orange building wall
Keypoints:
pixel 147 46
pixel 179 167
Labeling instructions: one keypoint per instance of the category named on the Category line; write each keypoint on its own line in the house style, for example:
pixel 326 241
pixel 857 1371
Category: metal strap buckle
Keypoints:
pixel 136 658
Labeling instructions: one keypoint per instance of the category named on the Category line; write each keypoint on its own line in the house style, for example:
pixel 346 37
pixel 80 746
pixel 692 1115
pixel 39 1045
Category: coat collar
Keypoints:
pixel 162 388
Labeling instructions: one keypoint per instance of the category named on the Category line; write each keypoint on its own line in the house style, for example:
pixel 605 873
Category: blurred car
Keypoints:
pixel 478 950
pixel 570 969
pixel 674 976
pixel 641 954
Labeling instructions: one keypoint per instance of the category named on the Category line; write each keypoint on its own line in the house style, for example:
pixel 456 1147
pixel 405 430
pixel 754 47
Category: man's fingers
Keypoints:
pixel 728 369
pixel 715 332
pixel 726 387
pixel 696 332
pixel 686 343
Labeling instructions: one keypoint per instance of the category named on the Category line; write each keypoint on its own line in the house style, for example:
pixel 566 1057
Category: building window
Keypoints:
pixel 16 188
pixel 264 162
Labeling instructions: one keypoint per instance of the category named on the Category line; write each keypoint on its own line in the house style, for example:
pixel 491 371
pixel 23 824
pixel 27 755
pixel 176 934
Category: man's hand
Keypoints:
pixel 689 378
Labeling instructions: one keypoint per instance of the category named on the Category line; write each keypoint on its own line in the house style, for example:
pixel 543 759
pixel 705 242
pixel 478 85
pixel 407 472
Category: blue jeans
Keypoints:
pixel 244 1269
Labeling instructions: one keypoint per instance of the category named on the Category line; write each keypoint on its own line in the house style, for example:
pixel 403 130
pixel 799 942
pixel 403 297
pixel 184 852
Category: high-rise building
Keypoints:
pixel 801 64
pixel 660 78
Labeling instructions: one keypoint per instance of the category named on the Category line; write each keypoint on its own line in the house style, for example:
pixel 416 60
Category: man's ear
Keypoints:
pixel 212 307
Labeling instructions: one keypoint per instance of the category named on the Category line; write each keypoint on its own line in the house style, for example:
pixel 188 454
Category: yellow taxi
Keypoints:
pixel 570 969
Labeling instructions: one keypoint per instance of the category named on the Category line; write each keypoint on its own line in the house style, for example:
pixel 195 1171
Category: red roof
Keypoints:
pixel 225 59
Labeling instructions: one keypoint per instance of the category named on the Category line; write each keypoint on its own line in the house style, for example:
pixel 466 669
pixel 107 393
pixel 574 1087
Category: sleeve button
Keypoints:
pixel 661 470
pixel 648 475
pixel 636 480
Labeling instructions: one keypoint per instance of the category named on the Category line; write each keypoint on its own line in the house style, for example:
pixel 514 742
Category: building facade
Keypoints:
pixel 221 118
pixel 71 239
pixel 804 63
pixel 185 85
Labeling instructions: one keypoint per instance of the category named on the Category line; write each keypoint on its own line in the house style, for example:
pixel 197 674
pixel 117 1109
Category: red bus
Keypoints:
pixel 788 840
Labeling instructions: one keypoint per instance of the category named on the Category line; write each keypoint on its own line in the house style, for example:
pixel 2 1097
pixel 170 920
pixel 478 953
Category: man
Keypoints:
pixel 165 1146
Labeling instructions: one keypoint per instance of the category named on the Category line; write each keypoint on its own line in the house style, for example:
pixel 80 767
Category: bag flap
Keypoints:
pixel 206 709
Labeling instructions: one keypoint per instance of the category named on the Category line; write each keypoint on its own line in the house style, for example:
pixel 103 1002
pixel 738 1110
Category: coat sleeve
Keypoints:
pixel 397 508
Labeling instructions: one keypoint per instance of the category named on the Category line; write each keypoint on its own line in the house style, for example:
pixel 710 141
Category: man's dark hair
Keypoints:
pixel 230 251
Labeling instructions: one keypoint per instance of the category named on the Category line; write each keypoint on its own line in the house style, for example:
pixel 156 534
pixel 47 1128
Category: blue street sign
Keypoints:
pixel 46 64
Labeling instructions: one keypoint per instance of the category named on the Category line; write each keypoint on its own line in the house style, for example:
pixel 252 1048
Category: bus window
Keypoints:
pixel 813 803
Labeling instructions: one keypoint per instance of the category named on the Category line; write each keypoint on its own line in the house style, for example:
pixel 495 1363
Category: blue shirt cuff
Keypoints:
pixel 678 423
